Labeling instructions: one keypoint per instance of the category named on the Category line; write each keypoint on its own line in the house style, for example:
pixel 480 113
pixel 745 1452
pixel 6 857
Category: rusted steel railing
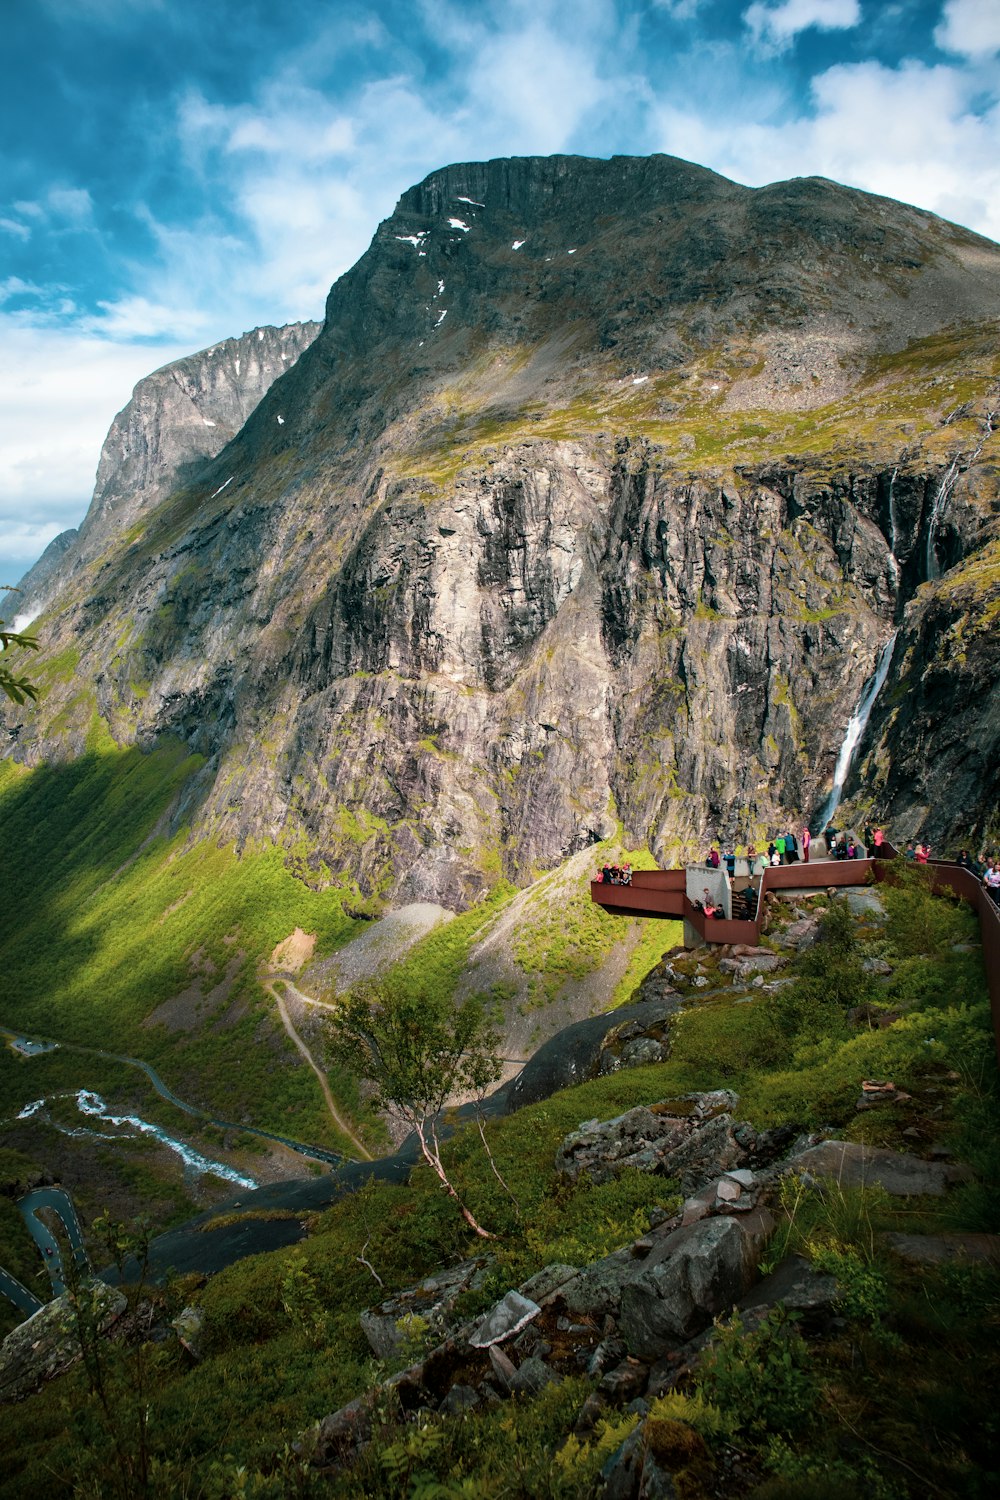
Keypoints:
pixel 662 893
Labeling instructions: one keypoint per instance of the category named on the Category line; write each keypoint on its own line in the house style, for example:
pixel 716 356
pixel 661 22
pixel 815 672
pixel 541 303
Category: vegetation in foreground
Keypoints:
pixel 895 1403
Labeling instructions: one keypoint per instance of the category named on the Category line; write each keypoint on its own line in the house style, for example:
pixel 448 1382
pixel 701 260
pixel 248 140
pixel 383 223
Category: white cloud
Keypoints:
pixel 680 10
pixel 970 28
pixel 908 133
pixel 58 394
pixel 14 227
pixel 775 27
pixel 73 204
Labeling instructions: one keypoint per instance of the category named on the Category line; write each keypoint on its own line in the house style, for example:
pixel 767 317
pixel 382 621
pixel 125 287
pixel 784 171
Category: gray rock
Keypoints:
pixel 508 1317
pixel 937 1249
pixel 801 934
pixel 641 1052
pixel 743 1176
pixel 386 1327
pixel 692 1138
pixel 624 1381
pixel 865 903
pixel 855 1165
pixel 460 1398
pixel 610 1351
pixel 622 1472
pixel 747 966
pixel 504 1368
pixel 699 1272
pixel 47 1343
pixel 531 1377
pixel 796 1286
pixel 544 1283
pixel 189 1325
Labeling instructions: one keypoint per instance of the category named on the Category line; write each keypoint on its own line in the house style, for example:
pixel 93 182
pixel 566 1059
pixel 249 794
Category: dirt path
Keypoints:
pixel 286 1020
pixel 297 994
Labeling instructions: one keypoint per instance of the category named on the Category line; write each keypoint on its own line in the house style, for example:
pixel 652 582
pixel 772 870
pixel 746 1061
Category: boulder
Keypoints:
pixel 47 1343
pixel 692 1138
pixel 188 1326
pixel 796 1285
pixel 697 1272
pixel 745 967
pixel 935 1249
pixel 387 1327
pixel 575 1054
pixel 865 903
pixel 855 1165
pixel 531 1377
pixel 503 1320
pixel 801 934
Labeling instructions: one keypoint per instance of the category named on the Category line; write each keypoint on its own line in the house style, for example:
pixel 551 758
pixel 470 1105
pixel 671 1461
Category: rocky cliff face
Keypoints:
pixel 594 500
pixel 178 417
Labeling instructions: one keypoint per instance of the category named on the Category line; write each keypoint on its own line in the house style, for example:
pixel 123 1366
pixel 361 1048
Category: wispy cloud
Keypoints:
pixel 775 27
pixel 910 133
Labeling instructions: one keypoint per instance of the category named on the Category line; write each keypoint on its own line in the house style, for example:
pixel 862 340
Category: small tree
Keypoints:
pixel 17 689
pixel 418 1051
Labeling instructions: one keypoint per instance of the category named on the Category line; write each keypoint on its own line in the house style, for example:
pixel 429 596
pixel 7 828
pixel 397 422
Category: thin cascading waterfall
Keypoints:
pixel 856 727
pixel 893 530
pixel 944 489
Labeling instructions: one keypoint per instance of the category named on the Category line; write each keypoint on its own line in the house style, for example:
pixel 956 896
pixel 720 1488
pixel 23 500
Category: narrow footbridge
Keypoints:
pixel 663 893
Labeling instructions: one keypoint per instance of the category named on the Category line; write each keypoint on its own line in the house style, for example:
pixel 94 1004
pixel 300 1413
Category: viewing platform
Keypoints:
pixel 666 893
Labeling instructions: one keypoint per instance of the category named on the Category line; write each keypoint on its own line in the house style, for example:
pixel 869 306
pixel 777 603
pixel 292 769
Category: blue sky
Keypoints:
pixel 176 171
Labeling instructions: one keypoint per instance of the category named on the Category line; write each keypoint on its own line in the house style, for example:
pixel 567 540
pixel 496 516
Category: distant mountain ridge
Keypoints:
pixel 178 417
pixel 593 501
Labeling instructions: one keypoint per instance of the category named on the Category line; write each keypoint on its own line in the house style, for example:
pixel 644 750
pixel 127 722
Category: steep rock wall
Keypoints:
pixel 465 590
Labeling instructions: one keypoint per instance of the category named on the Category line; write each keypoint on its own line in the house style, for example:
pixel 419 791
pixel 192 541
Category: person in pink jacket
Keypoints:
pixel 806 841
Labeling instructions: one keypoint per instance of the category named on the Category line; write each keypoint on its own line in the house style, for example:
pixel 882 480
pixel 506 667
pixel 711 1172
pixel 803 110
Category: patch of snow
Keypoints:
pixel 281 421
pixel 260 335
pixel 640 380
pixel 237 364
pixel 206 423
pixel 473 201
pixel 517 244
pixel 422 253
pixel 416 240
pixel 221 488
pixel 440 289
pixel 444 314
pixel 571 252
pixel 284 356
pixel 459 224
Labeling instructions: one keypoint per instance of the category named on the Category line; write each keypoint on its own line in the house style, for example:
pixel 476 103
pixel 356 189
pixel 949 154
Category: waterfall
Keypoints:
pixel 856 726
pixel 893 530
pixel 892 510
pixel 944 489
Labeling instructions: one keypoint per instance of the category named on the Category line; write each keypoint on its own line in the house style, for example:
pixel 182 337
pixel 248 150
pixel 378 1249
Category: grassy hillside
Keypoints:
pixel 847 1415
pixel 120 935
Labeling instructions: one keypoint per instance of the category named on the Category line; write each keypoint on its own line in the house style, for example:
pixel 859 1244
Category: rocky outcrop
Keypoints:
pixel 529 540
pixel 49 1341
pixel 637 1321
pixel 177 419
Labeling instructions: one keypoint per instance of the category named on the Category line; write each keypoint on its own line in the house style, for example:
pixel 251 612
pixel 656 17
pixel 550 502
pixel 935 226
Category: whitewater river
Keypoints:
pixel 93 1106
pixel 131 1127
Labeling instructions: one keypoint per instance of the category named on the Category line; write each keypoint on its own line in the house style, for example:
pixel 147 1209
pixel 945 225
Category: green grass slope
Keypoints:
pixel 894 1403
